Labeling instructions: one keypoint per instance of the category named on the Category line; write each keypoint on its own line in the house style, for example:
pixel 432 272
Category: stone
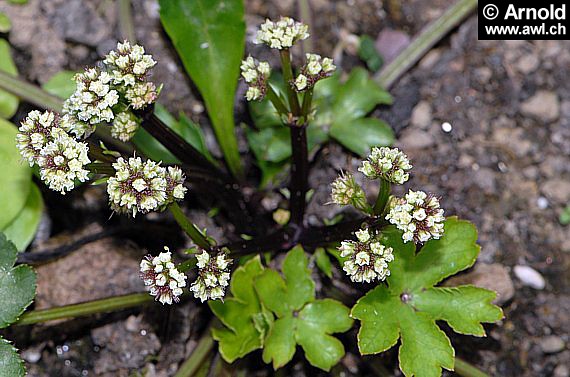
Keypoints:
pixel 552 344
pixel 484 178
pixel 414 138
pixel 529 277
pixel 543 105
pixel 527 64
pixel 421 115
pixel 561 371
pixel 390 43
pixel 490 276
pixel 557 189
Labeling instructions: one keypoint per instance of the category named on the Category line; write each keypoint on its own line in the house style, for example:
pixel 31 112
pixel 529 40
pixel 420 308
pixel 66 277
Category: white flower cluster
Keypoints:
pixel 99 92
pixel 129 64
pixel 255 74
pixel 162 278
pixel 418 215
pixel 141 187
pixel 125 125
pixel 213 276
pixel 367 258
pixel 60 158
pixel 386 163
pixel 345 191
pixel 282 34
pixel 315 69
pixel 91 104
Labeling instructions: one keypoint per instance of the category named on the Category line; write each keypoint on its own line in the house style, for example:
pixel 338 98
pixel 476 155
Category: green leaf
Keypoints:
pixel 367 52
pixel 316 321
pixel 10 363
pixel 209 36
pixel 15 179
pixel 323 262
pixel 61 84
pixel 240 335
pixel 425 348
pixel 301 319
pixel 410 305
pixel 565 216
pixel 5 23
pixel 284 297
pixel 360 135
pixel 463 308
pixel 17 284
pixel 8 102
pixel 22 229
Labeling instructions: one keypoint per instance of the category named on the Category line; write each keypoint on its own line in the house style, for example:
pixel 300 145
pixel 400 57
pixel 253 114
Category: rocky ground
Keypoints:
pixel 487 124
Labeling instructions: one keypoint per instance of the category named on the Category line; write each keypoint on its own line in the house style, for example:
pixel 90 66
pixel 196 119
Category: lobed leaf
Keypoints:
pixel 241 334
pixel 17 284
pixel 10 363
pixel 8 102
pixel 409 306
pixel 22 229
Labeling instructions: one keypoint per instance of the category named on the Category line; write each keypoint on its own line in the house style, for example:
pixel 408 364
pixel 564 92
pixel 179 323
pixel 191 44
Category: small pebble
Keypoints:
pixel 542 202
pixel 530 277
pixel 561 371
pixel 552 344
pixel 446 127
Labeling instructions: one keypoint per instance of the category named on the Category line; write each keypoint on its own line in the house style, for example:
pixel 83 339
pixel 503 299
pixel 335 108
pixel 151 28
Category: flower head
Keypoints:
pixel 125 125
pixel 162 278
pixel 419 215
pixel 282 34
pixel 345 191
pixel 213 276
pixel 367 258
pixel 62 161
pixel 129 64
pixel 315 69
pixel 175 189
pixel 389 164
pixel 141 94
pixel 255 74
pixel 91 104
pixel 137 186
pixel 34 133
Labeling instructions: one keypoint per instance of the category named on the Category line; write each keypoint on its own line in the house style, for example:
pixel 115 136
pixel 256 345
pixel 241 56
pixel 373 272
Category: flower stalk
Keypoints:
pixel 383 197
pixel 288 77
pixel 189 228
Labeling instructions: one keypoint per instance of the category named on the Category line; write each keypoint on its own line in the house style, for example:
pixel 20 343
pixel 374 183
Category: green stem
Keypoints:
pixel 29 92
pixel 126 21
pixel 305 13
pixel 101 168
pixel 463 368
pixel 427 38
pixel 276 101
pixel 288 78
pixel 307 100
pixel 383 196
pixel 187 265
pixel 200 353
pixel 87 308
pixel 191 230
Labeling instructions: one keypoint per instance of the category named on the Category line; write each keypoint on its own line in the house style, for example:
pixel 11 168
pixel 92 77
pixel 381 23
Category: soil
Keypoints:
pixel 486 123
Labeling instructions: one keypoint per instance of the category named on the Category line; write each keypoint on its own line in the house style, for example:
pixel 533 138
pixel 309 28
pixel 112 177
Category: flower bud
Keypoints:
pixel 345 191
pixel 386 163
pixel 255 74
pixel 315 69
pixel 282 34
pixel 162 278
pixel 34 133
pixel 129 64
pixel 125 125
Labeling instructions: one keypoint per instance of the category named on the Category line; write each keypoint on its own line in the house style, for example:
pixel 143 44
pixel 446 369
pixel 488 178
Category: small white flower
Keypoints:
pixel 137 186
pixel 367 258
pixel 129 64
pixel 386 163
pixel 213 277
pixel 282 34
pixel 418 215
pixel 301 82
pixel 125 125
pixel 34 133
pixel 141 95
pixel 162 278
pixel 62 161
pixel 255 74
pixel 175 189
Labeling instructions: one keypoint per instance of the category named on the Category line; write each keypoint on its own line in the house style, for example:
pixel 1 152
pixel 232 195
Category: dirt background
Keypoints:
pixel 503 162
